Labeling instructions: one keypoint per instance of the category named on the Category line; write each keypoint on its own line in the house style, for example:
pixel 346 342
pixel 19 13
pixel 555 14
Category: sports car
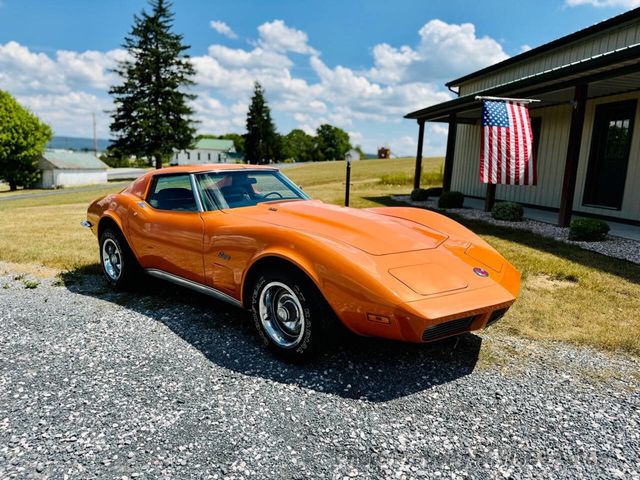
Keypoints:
pixel 249 236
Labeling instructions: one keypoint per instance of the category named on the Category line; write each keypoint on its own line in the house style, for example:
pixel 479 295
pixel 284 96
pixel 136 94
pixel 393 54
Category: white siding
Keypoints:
pixel 190 157
pixel 610 40
pixel 554 138
pixel 72 177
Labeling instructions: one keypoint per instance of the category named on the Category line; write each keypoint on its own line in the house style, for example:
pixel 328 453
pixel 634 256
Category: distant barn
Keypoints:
pixel 384 152
pixel 64 168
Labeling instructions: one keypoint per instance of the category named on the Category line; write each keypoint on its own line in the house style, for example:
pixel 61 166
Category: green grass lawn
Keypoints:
pixel 568 294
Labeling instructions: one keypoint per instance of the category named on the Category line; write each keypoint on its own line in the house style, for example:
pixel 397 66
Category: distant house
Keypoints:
pixel 206 150
pixel 64 168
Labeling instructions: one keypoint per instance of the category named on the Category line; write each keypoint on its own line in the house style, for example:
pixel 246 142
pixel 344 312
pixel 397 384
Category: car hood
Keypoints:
pixel 368 231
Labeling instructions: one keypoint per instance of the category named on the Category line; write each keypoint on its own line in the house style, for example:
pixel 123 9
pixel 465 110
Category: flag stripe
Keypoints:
pixel 506 146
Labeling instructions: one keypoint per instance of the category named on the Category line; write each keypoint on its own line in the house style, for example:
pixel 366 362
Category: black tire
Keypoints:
pixel 127 264
pixel 315 316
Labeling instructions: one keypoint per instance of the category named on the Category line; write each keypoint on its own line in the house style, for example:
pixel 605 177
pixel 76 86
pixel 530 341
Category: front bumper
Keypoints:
pixel 437 317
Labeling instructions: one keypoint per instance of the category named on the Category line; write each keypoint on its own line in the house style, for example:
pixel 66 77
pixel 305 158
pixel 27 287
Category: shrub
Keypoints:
pixel 588 230
pixel 434 191
pixel 451 200
pixel 419 195
pixel 509 211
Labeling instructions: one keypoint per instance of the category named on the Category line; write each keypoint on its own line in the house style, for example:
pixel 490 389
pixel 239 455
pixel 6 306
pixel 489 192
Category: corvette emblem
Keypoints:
pixel 481 272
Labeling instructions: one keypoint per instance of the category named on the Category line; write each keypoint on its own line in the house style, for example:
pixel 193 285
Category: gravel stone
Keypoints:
pixel 615 247
pixel 164 383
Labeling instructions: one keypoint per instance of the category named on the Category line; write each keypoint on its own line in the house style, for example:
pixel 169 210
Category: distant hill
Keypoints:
pixel 75 143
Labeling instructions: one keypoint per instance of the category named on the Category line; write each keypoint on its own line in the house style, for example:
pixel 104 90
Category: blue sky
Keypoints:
pixel 357 64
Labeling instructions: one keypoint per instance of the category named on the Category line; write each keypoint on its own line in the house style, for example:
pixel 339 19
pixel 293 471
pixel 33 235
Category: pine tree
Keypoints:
pixel 152 117
pixel 262 142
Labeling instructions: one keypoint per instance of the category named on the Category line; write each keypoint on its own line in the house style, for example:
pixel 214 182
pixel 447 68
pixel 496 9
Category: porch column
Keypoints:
pixel 490 197
pixel 418 171
pixel 573 154
pixel 451 148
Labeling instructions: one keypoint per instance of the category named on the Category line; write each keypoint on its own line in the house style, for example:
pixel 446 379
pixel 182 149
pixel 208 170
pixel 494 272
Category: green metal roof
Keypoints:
pixel 214 144
pixel 65 159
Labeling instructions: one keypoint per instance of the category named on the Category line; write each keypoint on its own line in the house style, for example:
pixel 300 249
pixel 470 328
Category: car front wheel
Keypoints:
pixel 289 314
pixel 119 266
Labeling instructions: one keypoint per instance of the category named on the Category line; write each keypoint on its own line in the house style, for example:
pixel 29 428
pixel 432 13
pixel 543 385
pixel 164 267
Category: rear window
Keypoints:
pixel 139 186
pixel 172 192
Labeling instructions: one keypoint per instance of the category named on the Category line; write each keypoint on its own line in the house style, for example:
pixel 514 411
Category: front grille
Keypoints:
pixel 446 329
pixel 496 315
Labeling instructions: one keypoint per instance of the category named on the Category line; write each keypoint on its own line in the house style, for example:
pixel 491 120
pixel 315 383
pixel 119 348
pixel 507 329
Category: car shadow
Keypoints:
pixel 352 367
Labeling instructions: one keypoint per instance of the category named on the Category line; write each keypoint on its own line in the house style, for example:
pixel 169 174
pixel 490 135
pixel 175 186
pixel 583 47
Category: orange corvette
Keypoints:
pixel 249 236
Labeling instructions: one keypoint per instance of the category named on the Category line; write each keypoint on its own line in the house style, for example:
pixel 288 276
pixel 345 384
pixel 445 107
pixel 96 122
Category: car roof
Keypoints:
pixel 208 167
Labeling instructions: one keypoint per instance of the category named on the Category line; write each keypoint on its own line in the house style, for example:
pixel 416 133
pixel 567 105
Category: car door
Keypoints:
pixel 166 229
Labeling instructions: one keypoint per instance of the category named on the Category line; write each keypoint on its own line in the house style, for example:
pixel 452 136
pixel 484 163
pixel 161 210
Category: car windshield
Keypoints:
pixel 244 188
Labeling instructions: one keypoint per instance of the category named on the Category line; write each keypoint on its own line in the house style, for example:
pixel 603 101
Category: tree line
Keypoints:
pixel 152 116
pixel 263 144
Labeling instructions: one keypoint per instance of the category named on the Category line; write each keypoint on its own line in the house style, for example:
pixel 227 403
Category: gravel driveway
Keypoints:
pixel 169 384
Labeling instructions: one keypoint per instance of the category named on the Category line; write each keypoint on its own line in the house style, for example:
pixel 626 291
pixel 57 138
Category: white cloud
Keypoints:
pixel 256 58
pixel 22 70
pixel 223 29
pixel 444 51
pixel 90 68
pixel 276 35
pixel 70 113
pixel 604 3
pixel 66 87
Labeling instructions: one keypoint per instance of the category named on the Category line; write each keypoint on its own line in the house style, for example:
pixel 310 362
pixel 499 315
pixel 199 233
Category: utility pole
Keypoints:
pixel 95 139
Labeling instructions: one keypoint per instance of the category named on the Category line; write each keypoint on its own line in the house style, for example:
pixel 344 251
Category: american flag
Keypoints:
pixel 506 151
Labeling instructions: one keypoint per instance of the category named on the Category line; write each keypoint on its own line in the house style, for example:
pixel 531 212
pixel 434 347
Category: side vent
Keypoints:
pixel 447 329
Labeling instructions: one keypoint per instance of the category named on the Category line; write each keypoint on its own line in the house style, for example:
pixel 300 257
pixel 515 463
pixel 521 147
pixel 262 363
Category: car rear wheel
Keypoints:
pixel 119 265
pixel 289 314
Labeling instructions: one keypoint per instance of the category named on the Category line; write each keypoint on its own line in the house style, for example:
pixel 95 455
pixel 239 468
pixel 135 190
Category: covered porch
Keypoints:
pixel 572 86
pixel 617 229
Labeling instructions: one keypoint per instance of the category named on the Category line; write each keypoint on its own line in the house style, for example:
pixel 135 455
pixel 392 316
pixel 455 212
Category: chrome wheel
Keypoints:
pixel 281 315
pixel 111 259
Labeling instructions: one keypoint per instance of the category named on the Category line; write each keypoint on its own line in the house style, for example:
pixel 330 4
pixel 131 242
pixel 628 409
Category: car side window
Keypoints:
pixel 172 192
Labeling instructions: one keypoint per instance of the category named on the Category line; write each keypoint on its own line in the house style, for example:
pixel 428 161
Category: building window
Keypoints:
pixel 609 154
pixel 209 156
pixel 188 156
pixel 198 156
pixel 219 158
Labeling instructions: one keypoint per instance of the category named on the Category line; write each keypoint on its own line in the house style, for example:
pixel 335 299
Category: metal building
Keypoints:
pixel 586 126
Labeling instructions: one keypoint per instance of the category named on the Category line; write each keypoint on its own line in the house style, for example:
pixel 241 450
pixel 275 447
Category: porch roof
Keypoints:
pixel 615 72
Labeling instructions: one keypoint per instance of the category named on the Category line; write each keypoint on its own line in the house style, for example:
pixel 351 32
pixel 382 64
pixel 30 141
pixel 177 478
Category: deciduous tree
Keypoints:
pixel 23 138
pixel 332 143
pixel 298 145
